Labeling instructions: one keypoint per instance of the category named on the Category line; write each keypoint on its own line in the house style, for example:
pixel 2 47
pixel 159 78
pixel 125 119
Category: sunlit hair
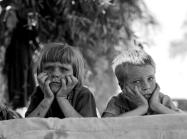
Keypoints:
pixel 65 54
pixel 133 56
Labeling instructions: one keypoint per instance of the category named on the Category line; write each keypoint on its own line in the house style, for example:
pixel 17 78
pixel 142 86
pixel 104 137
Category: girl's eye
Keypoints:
pixel 63 70
pixel 48 69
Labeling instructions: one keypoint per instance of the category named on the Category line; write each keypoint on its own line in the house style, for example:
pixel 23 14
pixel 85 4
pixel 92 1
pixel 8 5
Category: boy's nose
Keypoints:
pixel 145 86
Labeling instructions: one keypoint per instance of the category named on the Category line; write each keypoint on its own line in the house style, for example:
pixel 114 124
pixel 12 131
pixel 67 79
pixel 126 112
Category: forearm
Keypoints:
pixel 139 111
pixel 161 109
pixel 67 108
pixel 42 109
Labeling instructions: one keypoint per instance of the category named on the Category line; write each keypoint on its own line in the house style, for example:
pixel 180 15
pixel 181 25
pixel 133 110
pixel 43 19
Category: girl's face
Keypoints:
pixel 56 71
pixel 143 77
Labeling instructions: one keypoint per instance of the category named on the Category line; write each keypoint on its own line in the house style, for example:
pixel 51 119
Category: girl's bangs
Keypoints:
pixel 58 56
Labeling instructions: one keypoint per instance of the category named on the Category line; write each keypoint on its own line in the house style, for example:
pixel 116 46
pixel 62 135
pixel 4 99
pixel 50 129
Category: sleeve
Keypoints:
pixel 86 105
pixel 166 101
pixel 34 102
pixel 112 108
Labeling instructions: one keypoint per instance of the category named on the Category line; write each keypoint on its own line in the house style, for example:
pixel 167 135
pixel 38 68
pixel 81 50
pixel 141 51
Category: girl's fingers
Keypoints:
pixel 63 80
pixel 74 80
pixel 42 77
pixel 47 82
pixel 69 81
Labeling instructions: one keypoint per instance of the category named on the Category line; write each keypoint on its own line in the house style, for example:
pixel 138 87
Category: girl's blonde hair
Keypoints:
pixel 65 54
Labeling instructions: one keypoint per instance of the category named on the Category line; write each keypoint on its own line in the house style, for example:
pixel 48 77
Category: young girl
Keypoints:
pixel 135 71
pixel 61 92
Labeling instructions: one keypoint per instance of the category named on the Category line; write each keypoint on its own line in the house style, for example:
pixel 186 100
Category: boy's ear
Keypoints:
pixel 121 85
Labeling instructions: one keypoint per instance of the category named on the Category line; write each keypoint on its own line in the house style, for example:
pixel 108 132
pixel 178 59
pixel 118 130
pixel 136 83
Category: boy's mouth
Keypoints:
pixel 147 96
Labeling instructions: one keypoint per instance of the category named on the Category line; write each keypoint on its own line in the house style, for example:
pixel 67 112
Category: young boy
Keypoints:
pixel 61 92
pixel 135 71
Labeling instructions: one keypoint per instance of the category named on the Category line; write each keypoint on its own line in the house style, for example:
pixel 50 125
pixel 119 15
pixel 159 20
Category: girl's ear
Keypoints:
pixel 38 71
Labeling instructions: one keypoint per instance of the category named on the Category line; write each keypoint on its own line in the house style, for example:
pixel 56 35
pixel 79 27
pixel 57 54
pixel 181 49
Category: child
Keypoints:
pixel 61 92
pixel 135 72
pixel 7 113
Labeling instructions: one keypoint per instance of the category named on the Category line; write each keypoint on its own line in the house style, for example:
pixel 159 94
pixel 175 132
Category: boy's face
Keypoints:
pixel 143 77
pixel 56 71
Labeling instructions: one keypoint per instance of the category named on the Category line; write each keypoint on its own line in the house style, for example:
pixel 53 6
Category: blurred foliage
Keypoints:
pixel 92 25
pixel 95 26
pixel 178 47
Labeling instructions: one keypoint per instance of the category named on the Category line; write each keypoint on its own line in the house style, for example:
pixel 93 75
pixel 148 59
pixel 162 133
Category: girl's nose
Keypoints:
pixel 56 72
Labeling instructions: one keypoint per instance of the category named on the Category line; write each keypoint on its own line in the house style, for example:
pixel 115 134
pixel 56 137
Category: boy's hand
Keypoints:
pixel 68 83
pixel 135 97
pixel 44 81
pixel 154 100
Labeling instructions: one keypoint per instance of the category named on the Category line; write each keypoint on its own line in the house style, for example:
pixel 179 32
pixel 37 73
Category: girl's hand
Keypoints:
pixel 68 83
pixel 44 82
pixel 154 100
pixel 135 97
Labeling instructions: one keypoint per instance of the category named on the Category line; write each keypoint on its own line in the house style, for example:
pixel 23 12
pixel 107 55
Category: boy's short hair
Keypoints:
pixel 132 56
pixel 63 53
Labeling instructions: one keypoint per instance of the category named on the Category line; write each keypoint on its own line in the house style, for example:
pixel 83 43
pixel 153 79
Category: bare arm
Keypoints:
pixel 161 109
pixel 136 97
pixel 133 96
pixel 42 109
pixel 68 83
pixel 158 107
pixel 136 112
pixel 67 108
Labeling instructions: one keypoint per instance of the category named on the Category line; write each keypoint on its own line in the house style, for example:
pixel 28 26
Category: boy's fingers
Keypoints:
pixel 129 92
pixel 132 91
pixel 136 91
pixel 165 100
pixel 157 89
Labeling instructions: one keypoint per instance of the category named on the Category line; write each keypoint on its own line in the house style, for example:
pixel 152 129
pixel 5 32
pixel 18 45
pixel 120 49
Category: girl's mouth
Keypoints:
pixel 55 86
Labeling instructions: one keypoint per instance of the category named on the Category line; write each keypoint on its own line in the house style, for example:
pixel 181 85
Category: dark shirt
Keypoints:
pixel 80 98
pixel 119 105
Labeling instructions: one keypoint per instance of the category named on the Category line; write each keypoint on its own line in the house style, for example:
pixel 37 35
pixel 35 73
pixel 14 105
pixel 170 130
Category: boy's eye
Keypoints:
pixel 136 82
pixel 150 78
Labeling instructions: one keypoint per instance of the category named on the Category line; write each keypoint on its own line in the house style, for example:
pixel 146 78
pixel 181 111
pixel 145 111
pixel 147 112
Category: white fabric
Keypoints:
pixel 144 127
